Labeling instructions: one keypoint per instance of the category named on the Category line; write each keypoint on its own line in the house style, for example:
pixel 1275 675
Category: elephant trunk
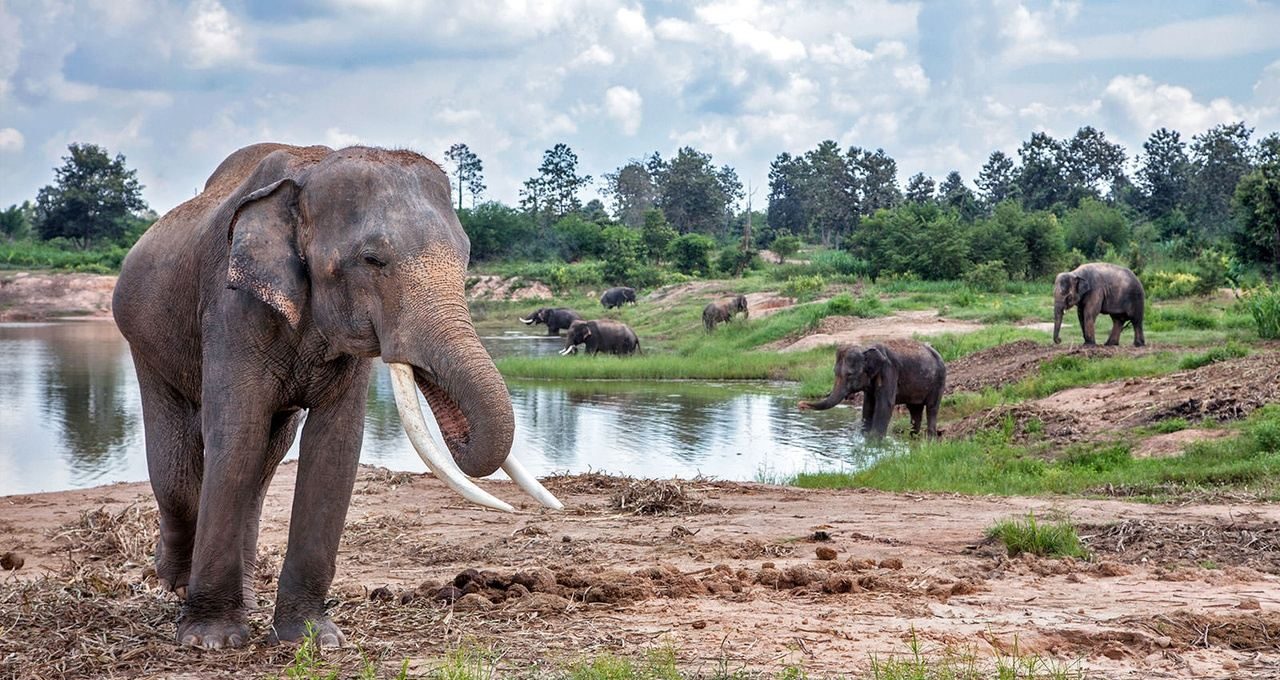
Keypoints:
pixel 838 394
pixel 1058 309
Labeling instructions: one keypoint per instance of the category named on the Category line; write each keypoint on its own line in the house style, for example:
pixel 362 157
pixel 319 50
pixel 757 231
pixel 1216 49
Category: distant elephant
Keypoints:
pixel 888 373
pixel 723 310
pixel 1099 287
pixel 601 335
pixel 616 297
pixel 267 295
pixel 556 318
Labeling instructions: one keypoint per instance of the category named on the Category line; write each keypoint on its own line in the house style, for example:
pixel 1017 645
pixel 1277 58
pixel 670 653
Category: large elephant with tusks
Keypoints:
pixel 1100 288
pixel 266 296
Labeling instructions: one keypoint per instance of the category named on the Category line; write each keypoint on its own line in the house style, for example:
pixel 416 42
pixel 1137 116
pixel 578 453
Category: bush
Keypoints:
pixel 1169 285
pixel 732 260
pixel 1093 227
pixel 804 288
pixel 785 246
pixel 1263 304
pixel 1052 539
pixel 866 306
pixel 988 277
pixel 1228 351
pixel 1211 272
pixel 836 263
pixel 622 248
pixel 496 231
pixel 691 254
pixel 578 238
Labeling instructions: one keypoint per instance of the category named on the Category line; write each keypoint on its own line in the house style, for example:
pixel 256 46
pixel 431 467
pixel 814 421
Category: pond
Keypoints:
pixel 70 417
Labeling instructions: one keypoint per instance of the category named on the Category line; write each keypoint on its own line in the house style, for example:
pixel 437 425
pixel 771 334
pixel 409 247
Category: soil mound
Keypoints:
pixel 1012 362
pixel 490 287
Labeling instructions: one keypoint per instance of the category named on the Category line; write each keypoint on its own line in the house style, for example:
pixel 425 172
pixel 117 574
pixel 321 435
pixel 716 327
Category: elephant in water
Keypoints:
pixel 616 297
pixel 722 311
pixel 888 373
pixel 267 295
pixel 601 335
pixel 556 318
pixel 1104 288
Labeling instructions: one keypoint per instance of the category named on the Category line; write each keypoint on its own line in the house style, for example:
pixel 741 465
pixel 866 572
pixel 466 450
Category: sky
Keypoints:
pixel 176 87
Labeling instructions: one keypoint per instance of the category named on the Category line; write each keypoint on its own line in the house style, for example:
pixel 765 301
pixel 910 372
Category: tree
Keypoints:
pixel 578 238
pixel 1091 166
pixel 1093 226
pixel 1040 181
pixel 468 169
pixel 786 200
pixel 1219 158
pixel 1164 175
pixel 693 193
pixel 920 189
pixel 496 230
pixel 656 235
pixel 91 199
pixel 633 191
pixel 1256 207
pixel 954 194
pixel 877 179
pixel 621 252
pixel 998 180
pixel 553 193
pixel 831 201
pixel 785 246
pixel 691 254
pixel 1268 150
pixel 15 221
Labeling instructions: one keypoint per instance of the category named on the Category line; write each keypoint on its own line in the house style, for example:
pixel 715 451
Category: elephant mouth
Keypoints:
pixel 454 427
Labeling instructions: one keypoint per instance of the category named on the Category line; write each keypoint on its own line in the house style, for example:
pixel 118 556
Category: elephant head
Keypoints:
pixel 539 316
pixel 578 333
pixel 1068 289
pixel 364 247
pixel 856 369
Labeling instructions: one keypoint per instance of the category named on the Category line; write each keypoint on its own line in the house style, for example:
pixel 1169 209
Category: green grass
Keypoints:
pixel 1037 537
pixel 27 255
pixel 952 664
pixel 707 365
pixel 1231 350
pixel 989 463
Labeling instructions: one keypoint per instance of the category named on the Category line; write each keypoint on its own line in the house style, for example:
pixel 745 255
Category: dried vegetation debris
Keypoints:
pixel 125 536
pixel 659 497
pixel 1240 543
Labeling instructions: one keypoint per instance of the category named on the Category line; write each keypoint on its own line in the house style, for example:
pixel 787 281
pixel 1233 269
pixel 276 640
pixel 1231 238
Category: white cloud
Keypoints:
pixel 912 78
pixel 1204 38
pixel 633 27
pixel 715 137
pixel 1267 89
pixel 11 141
pixel 840 52
pixel 337 139
pixel 738 20
pixel 10 48
pixel 677 30
pixel 1149 105
pixel 215 38
pixel 626 106
pixel 1029 37
pixel 595 55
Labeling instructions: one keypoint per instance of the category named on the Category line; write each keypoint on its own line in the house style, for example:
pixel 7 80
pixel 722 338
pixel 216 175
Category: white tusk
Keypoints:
pixel 529 483
pixel 565 351
pixel 526 321
pixel 440 464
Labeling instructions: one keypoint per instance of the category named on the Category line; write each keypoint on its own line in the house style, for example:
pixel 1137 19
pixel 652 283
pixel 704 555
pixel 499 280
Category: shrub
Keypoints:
pixel 804 288
pixel 785 246
pixel 1230 350
pixel 865 306
pixel 579 238
pixel 988 277
pixel 691 254
pixel 1169 285
pixel 836 263
pixel 1263 304
pixel 732 260
pixel 1055 539
pixel 622 247
pixel 1211 272
pixel 1093 227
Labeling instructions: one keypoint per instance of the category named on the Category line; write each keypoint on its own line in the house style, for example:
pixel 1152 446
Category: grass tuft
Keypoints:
pixel 1046 539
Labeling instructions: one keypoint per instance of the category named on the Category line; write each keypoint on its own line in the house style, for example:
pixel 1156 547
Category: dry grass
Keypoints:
pixel 657 497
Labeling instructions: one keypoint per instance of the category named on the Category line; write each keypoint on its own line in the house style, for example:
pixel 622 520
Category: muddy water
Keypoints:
pixel 70 417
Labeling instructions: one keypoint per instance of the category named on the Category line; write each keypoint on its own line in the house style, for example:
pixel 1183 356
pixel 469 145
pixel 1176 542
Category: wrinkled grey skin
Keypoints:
pixel 267 295
pixel 1097 288
pixel 602 335
pixel 888 373
pixel 556 318
pixel 722 311
pixel 616 297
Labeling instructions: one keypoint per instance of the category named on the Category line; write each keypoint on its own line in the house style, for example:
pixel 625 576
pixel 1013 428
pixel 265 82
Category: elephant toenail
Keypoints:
pixel 235 641
pixel 329 641
pixel 191 640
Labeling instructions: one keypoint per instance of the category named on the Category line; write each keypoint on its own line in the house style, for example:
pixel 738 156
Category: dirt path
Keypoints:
pixel 732 579
pixel 37 296
pixel 837 330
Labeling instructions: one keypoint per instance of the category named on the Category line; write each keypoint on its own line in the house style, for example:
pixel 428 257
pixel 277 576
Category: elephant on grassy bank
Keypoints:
pixel 601 335
pixel 1103 288
pixel 556 319
pixel 722 311
pixel 267 295
pixel 616 297
pixel 888 373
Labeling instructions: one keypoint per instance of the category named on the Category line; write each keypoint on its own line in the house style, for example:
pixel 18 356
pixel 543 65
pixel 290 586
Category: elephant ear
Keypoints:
pixel 265 260
pixel 875 362
pixel 1082 285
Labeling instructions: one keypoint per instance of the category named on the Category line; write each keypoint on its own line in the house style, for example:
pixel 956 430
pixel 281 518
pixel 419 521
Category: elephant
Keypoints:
pixel 556 318
pixel 722 311
pixel 888 373
pixel 601 335
pixel 266 296
pixel 1099 287
pixel 616 297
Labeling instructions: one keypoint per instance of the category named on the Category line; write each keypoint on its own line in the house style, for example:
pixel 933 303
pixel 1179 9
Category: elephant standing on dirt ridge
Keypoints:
pixel 616 297
pixel 722 311
pixel 556 318
pixel 269 294
pixel 1104 288
pixel 601 335
pixel 888 373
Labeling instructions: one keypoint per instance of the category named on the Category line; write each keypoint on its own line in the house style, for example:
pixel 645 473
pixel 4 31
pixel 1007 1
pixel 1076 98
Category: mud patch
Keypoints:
pixel 1241 544
pixel 1174 443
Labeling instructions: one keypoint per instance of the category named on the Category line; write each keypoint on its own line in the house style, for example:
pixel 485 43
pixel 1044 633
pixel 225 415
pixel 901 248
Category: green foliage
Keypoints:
pixel 836 263
pixel 732 260
pixel 1171 425
pixel 91 198
pixel 1211 271
pixel 621 251
pixel 657 235
pixel 468 171
pixel 785 246
pixel 865 306
pixel 804 288
pixel 988 277
pixel 691 254
pixel 1093 226
pixel 578 238
pixel 498 231
pixel 1169 285
pixel 1230 350
pixel 1256 208
pixel 1263 304
pixel 57 255
pixel 16 221
pixel 920 239
pixel 1047 539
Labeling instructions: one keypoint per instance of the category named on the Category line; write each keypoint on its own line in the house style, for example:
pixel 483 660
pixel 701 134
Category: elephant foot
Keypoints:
pixel 321 628
pixel 172 575
pixel 219 633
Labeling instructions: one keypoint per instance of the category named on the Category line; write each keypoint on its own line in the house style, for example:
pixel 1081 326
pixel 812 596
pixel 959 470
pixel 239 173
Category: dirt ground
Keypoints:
pixel 736 576
pixel 36 296
pixel 837 330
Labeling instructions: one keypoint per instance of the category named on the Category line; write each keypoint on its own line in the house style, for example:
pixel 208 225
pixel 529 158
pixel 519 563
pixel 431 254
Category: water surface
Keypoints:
pixel 70 417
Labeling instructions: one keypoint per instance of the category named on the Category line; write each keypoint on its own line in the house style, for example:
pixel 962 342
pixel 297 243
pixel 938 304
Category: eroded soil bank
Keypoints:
pixel 729 575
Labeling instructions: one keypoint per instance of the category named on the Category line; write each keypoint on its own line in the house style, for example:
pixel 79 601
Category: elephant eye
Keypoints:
pixel 371 259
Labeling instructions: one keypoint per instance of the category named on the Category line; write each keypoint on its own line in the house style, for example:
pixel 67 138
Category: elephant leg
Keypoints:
pixel 868 410
pixel 1117 325
pixel 932 410
pixel 883 411
pixel 329 458
pixel 1139 338
pixel 283 431
pixel 916 411
pixel 1086 324
pixel 175 464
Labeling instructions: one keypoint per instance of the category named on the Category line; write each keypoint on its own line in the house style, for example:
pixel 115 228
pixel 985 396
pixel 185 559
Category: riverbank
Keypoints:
pixel 39 296
pixel 725 577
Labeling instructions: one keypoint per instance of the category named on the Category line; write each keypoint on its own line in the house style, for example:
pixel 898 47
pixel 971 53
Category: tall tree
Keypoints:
pixel 1164 174
pixel 1268 150
pixel 920 189
pixel 1040 181
pixel 1091 165
pixel 16 220
pixel 468 170
pixel 1256 207
pixel 877 179
pixel 92 197
pixel 829 195
pixel 786 195
pixel 553 193
pixel 954 194
pixel 633 191
pixel 1219 158
pixel 998 180
pixel 691 192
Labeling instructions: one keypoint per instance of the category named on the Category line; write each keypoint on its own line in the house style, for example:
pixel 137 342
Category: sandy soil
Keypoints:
pixel 488 287
pixel 733 576
pixel 35 296
pixel 837 330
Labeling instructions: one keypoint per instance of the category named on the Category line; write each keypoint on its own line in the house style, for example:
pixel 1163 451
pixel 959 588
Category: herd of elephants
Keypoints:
pixel 270 293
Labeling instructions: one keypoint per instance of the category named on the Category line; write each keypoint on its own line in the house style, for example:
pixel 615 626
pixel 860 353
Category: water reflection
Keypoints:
pixel 70 417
